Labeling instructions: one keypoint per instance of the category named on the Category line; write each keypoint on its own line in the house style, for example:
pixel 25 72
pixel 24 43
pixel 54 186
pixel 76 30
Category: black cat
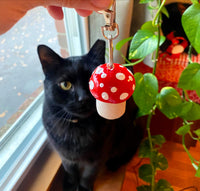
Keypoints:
pixel 85 141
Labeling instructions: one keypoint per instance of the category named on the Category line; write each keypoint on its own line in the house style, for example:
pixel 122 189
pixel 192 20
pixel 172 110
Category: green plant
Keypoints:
pixel 147 41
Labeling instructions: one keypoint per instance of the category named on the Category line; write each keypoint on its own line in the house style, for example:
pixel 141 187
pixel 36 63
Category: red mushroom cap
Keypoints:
pixel 114 85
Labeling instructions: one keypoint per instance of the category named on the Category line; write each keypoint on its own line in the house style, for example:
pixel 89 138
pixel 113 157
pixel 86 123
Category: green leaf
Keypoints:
pixel 122 43
pixel 145 1
pixel 140 113
pixel 169 102
pixel 165 12
pixel 193 112
pixel 143 43
pixel 158 140
pixel 144 149
pixel 198 92
pixel 183 130
pixel 163 185
pixel 151 8
pixel 190 77
pixel 197 132
pixel 144 188
pixel 146 172
pixel 198 172
pixel 148 26
pixel 159 161
pixel 191 25
pixel 185 108
pixel 145 92
pixel 195 1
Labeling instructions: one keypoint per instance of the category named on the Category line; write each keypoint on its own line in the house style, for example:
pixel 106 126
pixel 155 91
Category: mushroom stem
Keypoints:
pixel 109 110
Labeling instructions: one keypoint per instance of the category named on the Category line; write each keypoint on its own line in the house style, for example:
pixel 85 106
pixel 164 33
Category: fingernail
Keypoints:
pixel 102 4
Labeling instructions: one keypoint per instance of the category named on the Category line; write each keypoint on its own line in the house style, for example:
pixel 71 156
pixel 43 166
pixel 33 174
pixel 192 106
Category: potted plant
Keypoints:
pixel 173 103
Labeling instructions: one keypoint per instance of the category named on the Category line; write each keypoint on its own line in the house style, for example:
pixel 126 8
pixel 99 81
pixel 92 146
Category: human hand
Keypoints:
pixel 11 10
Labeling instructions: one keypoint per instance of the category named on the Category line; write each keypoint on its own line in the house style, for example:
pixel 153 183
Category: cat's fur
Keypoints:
pixel 85 141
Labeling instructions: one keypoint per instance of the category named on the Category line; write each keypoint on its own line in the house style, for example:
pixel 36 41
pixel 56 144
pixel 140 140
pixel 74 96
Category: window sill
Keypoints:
pixel 108 181
pixel 43 172
pixel 47 174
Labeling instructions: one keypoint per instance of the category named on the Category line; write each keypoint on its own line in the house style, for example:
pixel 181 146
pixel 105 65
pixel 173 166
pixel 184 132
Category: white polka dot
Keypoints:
pixel 99 70
pixel 113 89
pixel 130 78
pixel 101 85
pixel 103 75
pixel 91 83
pixel 105 96
pixel 123 96
pixel 120 76
pixel 133 86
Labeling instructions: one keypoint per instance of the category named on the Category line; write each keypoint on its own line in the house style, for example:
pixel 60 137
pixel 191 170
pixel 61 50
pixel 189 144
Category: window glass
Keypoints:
pixel 21 75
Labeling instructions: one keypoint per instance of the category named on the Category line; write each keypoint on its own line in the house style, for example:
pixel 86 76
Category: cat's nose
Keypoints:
pixel 83 99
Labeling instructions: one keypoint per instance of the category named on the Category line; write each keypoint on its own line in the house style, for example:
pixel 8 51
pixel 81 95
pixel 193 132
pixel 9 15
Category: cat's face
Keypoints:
pixel 66 80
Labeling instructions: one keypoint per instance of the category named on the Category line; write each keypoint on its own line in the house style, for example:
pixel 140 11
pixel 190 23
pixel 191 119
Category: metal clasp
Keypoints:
pixel 112 27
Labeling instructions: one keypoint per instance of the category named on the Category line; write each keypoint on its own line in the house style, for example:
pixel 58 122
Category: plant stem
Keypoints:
pixel 186 95
pixel 157 52
pixel 151 148
pixel 161 5
pixel 183 94
pixel 194 138
pixel 190 54
pixel 134 63
pixel 193 160
pixel 158 18
pixel 124 57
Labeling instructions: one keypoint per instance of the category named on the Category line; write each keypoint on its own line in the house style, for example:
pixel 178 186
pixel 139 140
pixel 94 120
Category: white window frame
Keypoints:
pixel 77 32
pixel 27 133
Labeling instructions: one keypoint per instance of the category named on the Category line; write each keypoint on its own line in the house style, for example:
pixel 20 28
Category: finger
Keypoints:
pixel 55 12
pixel 93 5
pixel 84 13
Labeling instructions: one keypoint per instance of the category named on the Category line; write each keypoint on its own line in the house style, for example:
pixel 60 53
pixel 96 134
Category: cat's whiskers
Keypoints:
pixel 64 121
pixel 57 121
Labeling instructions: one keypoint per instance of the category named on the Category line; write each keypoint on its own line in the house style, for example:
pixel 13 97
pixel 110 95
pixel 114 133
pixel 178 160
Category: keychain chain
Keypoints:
pixel 112 27
pixel 111 83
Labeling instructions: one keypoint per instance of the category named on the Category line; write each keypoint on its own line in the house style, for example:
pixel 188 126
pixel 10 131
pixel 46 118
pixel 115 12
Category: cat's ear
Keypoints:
pixel 49 59
pixel 97 53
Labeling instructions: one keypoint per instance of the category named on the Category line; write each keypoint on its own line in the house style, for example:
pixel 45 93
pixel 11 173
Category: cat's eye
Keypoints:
pixel 66 85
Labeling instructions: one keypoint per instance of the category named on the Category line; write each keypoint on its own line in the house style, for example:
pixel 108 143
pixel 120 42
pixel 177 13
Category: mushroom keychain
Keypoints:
pixel 111 83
